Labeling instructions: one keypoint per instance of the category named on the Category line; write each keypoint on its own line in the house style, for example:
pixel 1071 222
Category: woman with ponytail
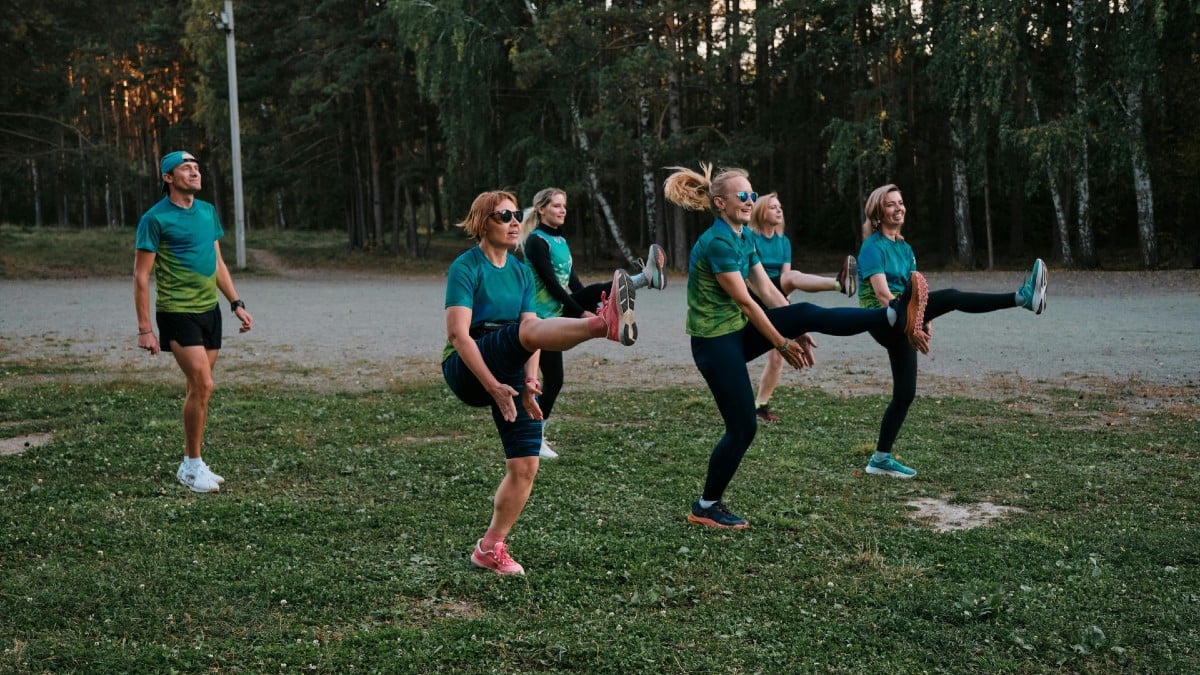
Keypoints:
pixel 728 328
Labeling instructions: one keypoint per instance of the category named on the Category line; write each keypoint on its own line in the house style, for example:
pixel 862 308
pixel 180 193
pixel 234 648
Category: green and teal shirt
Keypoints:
pixel 185 263
pixel 711 311
pixel 880 255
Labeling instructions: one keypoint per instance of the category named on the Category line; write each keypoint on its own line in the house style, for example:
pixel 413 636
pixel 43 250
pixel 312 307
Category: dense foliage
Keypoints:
pixel 1058 128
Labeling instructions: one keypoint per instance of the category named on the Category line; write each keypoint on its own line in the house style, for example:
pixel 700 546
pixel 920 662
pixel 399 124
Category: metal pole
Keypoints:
pixel 235 132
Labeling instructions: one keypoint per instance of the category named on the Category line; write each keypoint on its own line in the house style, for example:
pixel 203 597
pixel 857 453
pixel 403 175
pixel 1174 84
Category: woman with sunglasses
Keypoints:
pixel 885 263
pixel 493 336
pixel 728 328
pixel 558 291
pixel 775 251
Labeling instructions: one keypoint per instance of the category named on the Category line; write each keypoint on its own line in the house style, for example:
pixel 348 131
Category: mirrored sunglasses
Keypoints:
pixel 506 216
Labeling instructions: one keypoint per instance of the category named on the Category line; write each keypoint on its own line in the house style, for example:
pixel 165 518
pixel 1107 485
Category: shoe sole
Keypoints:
pixel 627 332
pixel 850 276
pixel 709 522
pixel 915 312
pixel 876 471
pixel 658 280
pixel 1039 286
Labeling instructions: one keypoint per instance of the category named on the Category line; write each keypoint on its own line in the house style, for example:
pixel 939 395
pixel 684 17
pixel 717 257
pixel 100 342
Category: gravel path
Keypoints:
pixel 346 332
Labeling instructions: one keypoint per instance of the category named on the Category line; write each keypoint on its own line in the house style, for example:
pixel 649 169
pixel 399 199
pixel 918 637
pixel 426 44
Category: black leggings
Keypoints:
pixel 903 357
pixel 551 363
pixel 722 361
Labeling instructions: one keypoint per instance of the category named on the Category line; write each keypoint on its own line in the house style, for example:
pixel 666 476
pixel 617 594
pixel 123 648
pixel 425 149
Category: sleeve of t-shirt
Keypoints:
pixel 787 249
pixel 870 262
pixel 460 286
pixel 147 234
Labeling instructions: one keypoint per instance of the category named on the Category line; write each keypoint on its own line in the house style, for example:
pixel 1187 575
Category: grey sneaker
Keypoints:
pixel 654 273
pixel 546 452
pixel 197 478
pixel 216 477
pixel 848 277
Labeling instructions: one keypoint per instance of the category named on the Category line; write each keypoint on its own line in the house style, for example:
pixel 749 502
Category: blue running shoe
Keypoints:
pixel 717 515
pixel 889 467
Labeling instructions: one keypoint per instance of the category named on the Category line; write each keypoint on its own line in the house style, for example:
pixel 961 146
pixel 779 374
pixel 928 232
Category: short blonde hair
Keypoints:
pixel 874 209
pixel 694 191
pixel 475 224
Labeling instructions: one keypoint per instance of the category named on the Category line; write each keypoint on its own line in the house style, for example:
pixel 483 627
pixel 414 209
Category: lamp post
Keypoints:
pixel 224 22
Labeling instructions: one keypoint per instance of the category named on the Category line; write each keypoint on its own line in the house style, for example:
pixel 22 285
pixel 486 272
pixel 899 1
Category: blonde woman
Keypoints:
pixel 885 263
pixel 728 328
pixel 775 251
pixel 558 291
pixel 490 359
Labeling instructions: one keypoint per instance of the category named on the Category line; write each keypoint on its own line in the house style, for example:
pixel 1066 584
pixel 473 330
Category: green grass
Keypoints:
pixel 340 543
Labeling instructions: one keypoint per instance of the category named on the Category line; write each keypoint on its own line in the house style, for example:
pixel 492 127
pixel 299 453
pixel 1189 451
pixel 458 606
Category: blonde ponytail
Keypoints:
pixel 532 218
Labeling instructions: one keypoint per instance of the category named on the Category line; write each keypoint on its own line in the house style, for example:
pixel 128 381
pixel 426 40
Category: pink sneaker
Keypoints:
pixel 496 560
pixel 616 309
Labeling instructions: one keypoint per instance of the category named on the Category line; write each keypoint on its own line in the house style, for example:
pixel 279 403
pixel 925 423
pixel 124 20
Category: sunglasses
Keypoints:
pixel 746 196
pixel 506 216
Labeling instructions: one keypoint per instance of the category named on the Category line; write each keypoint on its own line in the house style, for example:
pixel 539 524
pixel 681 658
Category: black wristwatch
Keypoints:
pixel 235 304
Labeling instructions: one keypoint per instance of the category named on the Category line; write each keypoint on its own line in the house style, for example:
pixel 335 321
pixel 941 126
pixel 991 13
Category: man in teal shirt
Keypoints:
pixel 178 239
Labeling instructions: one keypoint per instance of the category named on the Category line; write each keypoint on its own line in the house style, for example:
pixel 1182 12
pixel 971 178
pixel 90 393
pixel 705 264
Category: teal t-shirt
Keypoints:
pixel 774 250
pixel 493 294
pixel 545 304
pixel 711 312
pixel 894 259
pixel 185 255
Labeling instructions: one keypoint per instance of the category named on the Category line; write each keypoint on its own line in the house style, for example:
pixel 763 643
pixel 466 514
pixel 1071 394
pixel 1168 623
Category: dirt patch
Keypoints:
pixel 18 444
pixel 943 516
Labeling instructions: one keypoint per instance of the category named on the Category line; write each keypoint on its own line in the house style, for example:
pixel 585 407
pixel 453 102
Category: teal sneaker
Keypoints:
pixel 889 467
pixel 1034 288
pixel 717 515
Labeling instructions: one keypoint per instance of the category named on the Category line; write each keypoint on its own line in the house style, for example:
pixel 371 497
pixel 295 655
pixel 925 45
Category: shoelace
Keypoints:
pixel 501 554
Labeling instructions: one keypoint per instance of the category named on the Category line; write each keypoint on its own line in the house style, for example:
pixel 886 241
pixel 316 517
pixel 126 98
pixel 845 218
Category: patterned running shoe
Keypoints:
pixel 910 312
pixel 616 308
pixel 848 276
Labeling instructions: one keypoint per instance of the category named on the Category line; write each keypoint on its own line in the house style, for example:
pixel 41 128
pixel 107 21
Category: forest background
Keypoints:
pixel 1063 129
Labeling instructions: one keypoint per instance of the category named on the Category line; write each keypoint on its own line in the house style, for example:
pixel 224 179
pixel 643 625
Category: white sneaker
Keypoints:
pixel 217 477
pixel 197 478
pixel 546 452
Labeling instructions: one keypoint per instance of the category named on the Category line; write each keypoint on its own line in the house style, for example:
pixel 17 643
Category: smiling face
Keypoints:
pixel 733 210
pixel 891 207
pixel 554 213
pixel 184 178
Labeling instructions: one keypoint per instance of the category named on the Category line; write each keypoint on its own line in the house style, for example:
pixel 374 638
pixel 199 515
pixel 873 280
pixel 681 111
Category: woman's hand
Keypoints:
pixel 800 352
pixel 503 395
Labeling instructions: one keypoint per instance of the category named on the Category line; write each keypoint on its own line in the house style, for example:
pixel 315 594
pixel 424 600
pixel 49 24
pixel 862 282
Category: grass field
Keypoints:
pixel 341 541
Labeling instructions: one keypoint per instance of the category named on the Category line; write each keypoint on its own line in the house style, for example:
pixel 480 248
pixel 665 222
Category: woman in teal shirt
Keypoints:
pixel 728 328
pixel 775 251
pixel 885 263
pixel 492 338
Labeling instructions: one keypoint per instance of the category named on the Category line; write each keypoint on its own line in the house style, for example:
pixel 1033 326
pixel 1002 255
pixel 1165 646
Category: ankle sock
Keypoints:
pixel 705 503
pixel 192 462
pixel 880 456
pixel 597 326
pixel 891 314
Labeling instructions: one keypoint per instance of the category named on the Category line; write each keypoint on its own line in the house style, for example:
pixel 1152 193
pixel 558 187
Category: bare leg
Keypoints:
pixel 510 499
pixel 556 335
pixel 197 365
pixel 770 377
pixel 809 283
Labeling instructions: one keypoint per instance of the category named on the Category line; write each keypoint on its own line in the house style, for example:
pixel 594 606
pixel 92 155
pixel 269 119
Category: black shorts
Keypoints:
pixel 189 330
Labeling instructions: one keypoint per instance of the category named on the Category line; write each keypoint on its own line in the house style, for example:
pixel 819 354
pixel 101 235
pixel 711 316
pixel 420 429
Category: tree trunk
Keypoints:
pixel 987 214
pixel 963 240
pixel 1083 200
pixel 1060 214
pixel 679 250
pixel 1147 240
pixel 649 197
pixel 37 193
pixel 594 183
pixel 376 189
